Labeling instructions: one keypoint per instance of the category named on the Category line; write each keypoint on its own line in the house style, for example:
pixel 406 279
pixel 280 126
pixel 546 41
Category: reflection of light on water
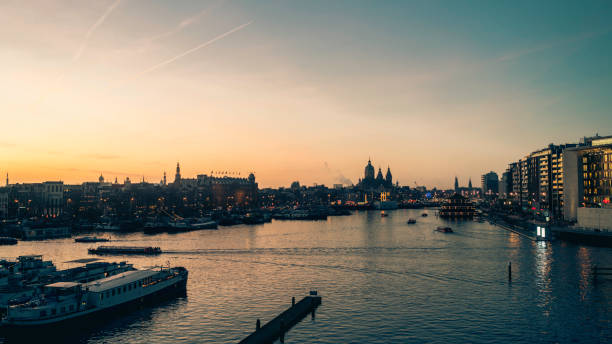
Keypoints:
pixel 584 265
pixel 543 282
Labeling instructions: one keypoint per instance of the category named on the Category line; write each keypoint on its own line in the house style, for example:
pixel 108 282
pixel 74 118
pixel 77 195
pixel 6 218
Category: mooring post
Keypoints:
pixel 313 314
pixel 257 325
pixel 292 301
pixel 509 271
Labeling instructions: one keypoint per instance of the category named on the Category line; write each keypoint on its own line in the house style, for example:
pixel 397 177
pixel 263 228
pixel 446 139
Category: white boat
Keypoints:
pixel 63 301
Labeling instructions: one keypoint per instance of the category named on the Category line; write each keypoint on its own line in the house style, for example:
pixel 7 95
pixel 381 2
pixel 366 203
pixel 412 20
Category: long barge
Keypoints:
pixel 148 250
pixel 68 301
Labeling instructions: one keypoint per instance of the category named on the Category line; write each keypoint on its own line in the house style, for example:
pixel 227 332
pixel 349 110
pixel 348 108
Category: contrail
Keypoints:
pixel 203 45
pixel 93 28
pixel 79 52
pixel 183 24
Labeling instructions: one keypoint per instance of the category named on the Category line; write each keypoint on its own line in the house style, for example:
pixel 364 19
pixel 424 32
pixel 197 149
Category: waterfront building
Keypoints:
pixel 490 184
pixel 468 191
pixel 536 180
pixel 4 197
pixel 588 183
pixel 228 191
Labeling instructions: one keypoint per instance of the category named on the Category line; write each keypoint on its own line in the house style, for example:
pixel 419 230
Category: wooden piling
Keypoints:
pixel 509 271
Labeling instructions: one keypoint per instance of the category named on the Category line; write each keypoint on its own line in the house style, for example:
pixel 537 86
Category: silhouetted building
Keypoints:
pixel 490 184
pixel 370 183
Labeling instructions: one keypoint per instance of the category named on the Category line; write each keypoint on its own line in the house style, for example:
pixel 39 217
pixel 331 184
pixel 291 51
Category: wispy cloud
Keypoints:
pixel 194 49
pixel 549 45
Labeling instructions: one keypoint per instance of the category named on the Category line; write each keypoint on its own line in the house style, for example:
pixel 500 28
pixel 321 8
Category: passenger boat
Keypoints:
pixel 24 278
pixel 411 221
pixel 91 239
pixel 444 230
pixel 64 301
pixel 424 215
pixel 125 250
pixel 383 214
pixel 8 241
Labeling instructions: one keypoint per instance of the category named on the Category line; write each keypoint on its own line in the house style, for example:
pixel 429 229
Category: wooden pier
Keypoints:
pixel 277 327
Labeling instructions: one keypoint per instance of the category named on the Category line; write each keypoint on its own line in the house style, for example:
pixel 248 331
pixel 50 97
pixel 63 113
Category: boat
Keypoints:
pixel 91 239
pixel 411 221
pixel 8 241
pixel 64 301
pixel 444 230
pixel 22 279
pixel 457 207
pixel 424 215
pixel 125 250
pixel 383 214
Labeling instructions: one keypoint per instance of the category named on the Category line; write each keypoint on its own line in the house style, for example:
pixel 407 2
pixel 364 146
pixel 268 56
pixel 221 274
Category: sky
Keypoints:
pixel 296 90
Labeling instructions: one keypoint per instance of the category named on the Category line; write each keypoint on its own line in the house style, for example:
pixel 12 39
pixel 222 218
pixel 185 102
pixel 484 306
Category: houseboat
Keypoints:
pixel 64 301
pixel 411 221
pixel 23 279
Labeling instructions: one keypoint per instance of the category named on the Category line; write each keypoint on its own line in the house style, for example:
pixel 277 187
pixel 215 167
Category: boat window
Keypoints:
pixel 101 296
pixel 113 292
pixel 107 294
pixel 43 313
pixel 130 286
pixel 124 289
pixel 118 290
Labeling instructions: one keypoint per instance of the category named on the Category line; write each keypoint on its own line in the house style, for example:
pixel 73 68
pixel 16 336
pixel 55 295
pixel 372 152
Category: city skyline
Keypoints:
pixel 296 91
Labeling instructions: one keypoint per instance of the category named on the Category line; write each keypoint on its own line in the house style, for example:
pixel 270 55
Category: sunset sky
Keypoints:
pixel 296 90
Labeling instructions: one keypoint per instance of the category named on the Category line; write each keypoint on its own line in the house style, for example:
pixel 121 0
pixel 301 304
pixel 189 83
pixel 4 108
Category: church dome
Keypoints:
pixel 369 170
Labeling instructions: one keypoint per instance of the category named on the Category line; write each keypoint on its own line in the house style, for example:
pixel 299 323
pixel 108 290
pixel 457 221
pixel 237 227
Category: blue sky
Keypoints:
pixel 284 88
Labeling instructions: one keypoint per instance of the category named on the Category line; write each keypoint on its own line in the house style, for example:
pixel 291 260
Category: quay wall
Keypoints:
pixel 595 218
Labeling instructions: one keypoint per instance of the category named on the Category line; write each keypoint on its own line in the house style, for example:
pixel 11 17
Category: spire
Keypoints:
pixel 456 184
pixel 177 176
pixel 164 180
pixel 470 183
pixel 7 181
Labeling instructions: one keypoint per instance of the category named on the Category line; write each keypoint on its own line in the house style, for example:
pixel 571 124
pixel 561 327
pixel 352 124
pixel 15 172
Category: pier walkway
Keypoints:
pixel 277 327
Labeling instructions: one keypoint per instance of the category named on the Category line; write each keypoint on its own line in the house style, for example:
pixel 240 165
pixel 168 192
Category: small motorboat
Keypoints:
pixel 444 230
pixel 411 221
pixel 424 215
pixel 90 239
pixel 383 214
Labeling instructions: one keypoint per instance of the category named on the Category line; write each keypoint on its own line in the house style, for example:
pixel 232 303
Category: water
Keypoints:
pixel 382 281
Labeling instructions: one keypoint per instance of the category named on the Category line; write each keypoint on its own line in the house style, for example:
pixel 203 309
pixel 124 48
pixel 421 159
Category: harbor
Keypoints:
pixel 363 265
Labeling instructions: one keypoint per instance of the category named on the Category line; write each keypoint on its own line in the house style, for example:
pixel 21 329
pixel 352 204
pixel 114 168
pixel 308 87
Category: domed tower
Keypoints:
pixel 389 177
pixel 251 178
pixel 101 178
pixel 369 171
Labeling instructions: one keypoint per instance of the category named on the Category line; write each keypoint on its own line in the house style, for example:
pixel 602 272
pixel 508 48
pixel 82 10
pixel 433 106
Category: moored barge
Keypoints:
pixel 64 301
pixel 125 250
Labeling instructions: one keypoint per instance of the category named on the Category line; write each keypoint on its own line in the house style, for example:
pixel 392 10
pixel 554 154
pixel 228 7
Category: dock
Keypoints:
pixel 515 231
pixel 277 327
